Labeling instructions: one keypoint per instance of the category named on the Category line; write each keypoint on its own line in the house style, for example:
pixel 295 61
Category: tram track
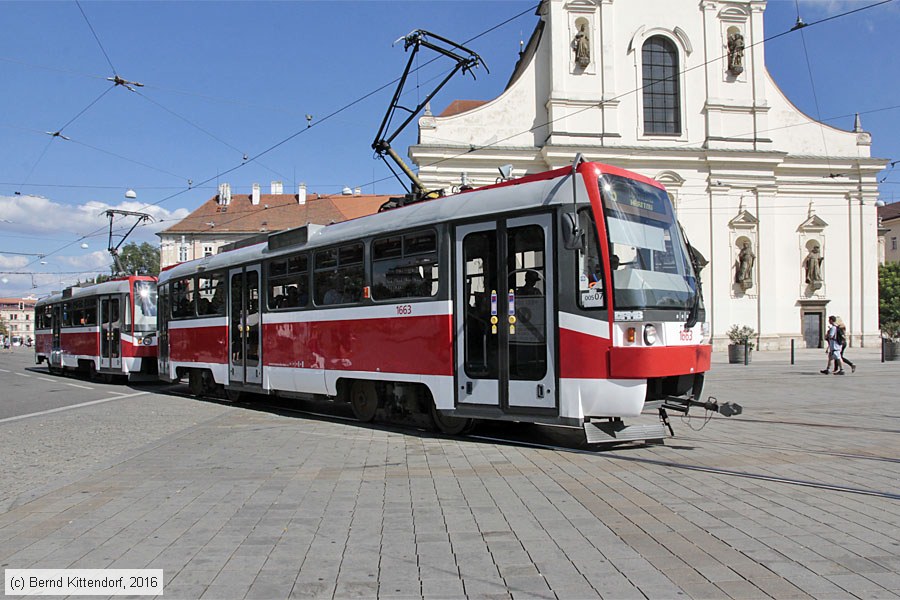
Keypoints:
pixel 818 425
pixel 513 441
pixel 705 469
pixel 847 455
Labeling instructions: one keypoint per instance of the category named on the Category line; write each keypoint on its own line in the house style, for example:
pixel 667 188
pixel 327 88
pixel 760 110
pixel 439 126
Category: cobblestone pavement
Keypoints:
pixel 796 498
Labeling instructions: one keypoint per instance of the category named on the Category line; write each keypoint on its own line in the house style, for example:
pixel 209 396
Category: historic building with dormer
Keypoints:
pixel 782 205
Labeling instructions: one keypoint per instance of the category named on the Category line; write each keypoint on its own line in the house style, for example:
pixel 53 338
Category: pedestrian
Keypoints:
pixel 842 337
pixel 833 348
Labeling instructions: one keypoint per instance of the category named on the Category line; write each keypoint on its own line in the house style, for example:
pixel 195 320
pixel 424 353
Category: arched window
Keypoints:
pixel 662 98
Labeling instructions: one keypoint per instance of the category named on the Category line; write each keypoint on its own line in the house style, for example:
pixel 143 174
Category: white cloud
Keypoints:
pixel 36 217
pixel 99 261
pixel 10 263
pixel 39 215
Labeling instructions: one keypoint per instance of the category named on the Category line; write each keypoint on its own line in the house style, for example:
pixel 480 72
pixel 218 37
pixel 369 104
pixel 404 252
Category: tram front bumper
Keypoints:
pixel 660 361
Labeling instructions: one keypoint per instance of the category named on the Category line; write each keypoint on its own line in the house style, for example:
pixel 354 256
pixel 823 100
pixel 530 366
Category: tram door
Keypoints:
pixel 245 325
pixel 504 317
pixel 162 319
pixel 56 326
pixel 110 332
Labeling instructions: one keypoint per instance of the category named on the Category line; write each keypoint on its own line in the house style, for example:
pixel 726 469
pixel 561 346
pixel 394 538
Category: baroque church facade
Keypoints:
pixel 782 206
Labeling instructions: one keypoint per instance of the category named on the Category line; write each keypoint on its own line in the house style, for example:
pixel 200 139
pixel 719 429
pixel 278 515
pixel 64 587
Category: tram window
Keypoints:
pixel 211 294
pixel 384 248
pixel 288 282
pixel 419 243
pixel 183 299
pixel 405 267
pixel 591 291
pixel 90 312
pixel 339 275
pixel 78 313
pixel 66 315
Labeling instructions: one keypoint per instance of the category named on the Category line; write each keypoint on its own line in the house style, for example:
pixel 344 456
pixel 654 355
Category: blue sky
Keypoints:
pixel 225 79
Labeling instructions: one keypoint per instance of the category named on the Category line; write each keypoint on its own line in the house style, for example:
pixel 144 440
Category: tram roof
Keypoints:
pixel 113 286
pixel 532 191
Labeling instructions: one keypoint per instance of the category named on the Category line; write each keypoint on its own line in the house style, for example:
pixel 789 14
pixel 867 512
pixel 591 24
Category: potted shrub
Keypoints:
pixel 741 343
pixel 890 340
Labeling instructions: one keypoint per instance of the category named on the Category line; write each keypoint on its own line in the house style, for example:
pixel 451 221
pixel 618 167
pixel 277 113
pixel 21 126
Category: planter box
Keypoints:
pixel 891 349
pixel 736 354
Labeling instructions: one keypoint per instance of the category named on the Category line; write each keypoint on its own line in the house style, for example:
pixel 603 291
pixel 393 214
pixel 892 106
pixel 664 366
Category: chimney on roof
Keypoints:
pixel 277 187
pixel 224 194
pixel 357 191
pixel 301 194
pixel 254 197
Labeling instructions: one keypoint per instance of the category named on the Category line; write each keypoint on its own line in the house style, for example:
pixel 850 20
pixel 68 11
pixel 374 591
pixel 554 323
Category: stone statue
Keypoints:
pixel 813 266
pixel 736 53
pixel 744 274
pixel 582 47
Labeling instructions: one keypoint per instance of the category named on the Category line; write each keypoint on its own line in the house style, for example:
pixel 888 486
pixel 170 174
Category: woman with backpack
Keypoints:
pixel 833 348
pixel 842 338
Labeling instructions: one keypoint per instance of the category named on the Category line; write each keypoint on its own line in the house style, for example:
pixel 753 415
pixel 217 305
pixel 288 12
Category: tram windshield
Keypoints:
pixel 648 257
pixel 144 306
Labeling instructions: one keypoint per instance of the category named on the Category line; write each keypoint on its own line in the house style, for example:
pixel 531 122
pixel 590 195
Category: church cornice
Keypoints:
pixel 581 6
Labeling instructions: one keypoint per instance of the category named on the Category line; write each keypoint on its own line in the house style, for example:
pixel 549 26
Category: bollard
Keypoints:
pixel 746 354
pixel 882 349
pixel 792 351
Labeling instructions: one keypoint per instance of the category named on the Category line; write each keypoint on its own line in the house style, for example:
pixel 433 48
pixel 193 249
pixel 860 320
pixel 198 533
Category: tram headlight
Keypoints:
pixel 650 336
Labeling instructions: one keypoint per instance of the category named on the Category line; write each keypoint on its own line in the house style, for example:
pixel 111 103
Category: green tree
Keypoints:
pixel 3 330
pixel 889 293
pixel 142 259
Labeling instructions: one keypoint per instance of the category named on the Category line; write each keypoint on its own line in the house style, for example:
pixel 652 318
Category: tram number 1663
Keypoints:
pixel 686 335
pixel 404 309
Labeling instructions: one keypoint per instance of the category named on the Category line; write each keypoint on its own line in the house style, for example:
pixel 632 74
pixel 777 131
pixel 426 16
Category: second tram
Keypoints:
pixel 106 330
pixel 565 297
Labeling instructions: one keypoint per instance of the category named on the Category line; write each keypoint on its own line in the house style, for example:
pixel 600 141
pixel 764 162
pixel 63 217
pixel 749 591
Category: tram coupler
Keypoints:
pixel 683 405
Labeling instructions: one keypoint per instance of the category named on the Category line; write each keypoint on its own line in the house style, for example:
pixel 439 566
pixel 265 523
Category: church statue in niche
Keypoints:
pixel 744 271
pixel 813 266
pixel 582 47
pixel 736 53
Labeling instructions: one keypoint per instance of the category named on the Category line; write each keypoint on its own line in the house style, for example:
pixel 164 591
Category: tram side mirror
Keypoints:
pixel 573 234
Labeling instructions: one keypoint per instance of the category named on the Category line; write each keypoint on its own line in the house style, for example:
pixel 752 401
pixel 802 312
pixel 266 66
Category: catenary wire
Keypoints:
pixel 96 37
pixel 297 133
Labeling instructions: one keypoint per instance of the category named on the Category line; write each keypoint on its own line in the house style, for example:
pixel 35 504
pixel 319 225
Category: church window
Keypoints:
pixel 662 101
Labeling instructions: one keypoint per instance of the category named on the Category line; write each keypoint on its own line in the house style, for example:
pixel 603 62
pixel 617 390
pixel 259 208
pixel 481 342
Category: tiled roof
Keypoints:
pixel 274 212
pixel 27 301
pixel 461 106
pixel 889 212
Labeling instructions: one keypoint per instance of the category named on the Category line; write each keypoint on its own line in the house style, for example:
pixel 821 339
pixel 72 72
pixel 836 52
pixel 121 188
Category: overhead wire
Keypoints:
pixel 309 126
pixel 195 187
pixel 96 37
pixel 474 148
pixel 496 142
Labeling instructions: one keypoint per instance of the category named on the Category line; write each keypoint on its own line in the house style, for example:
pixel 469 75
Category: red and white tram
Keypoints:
pixel 565 297
pixel 107 329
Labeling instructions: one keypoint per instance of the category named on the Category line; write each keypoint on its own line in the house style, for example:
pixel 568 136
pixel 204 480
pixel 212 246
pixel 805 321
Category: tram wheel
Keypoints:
pixel 233 395
pixel 195 382
pixel 449 424
pixel 364 400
